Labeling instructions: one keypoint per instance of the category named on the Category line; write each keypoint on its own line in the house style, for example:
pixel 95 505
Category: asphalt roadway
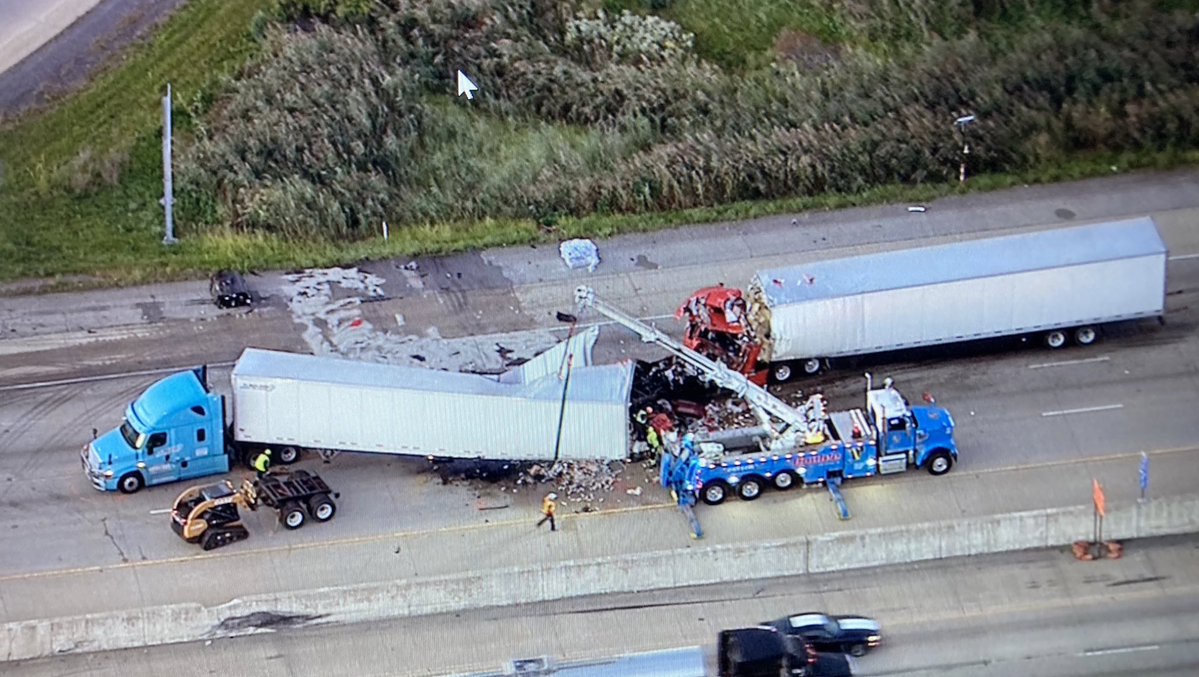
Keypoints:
pixel 1034 426
pixel 50 47
pixel 1034 614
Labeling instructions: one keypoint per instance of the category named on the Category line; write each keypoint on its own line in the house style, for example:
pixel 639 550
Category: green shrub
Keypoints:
pixel 339 127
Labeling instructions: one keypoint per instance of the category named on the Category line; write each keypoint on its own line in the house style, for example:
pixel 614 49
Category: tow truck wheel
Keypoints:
pixel 131 483
pixel 784 480
pixel 321 508
pixel 750 488
pixel 291 515
pixel 940 463
pixel 1055 339
pixel 857 650
pixel 715 493
pixel 289 455
pixel 1085 336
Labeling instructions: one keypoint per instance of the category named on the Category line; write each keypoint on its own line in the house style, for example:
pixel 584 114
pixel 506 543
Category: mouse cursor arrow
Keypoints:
pixel 465 86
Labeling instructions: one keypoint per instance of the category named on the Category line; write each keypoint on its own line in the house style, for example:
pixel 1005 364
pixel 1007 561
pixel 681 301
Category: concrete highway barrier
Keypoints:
pixel 28 639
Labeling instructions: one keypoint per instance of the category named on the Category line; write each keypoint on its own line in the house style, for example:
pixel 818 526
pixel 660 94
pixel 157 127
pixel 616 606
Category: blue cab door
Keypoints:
pixel 161 459
pixel 202 453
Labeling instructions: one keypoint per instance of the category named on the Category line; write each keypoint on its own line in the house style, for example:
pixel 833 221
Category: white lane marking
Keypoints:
pixel 160 511
pixel 109 377
pixel 1126 649
pixel 1183 257
pixel 1084 410
pixel 1063 363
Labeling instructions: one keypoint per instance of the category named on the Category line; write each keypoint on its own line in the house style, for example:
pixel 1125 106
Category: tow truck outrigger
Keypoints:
pixel 807 445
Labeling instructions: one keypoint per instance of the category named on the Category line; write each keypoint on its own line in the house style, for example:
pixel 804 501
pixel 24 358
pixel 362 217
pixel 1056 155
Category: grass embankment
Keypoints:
pixel 82 180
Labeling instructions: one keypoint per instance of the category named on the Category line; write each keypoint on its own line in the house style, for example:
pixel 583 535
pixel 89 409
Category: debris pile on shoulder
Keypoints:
pixel 577 481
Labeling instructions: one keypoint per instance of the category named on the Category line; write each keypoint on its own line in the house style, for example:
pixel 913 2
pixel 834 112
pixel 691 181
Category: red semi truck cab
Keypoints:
pixel 718 327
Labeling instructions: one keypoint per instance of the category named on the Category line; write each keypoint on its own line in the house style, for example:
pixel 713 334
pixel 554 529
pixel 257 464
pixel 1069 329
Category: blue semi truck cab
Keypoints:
pixel 172 431
pixel 888 436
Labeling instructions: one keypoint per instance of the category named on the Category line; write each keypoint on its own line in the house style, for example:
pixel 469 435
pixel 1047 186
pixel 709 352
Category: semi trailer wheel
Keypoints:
pixel 292 516
pixel 288 455
pixel 322 508
pixel 811 366
pixel 1055 339
pixel 781 372
pixel 1085 336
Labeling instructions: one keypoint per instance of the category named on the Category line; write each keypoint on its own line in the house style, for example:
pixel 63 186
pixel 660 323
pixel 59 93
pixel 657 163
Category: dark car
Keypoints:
pixel 853 635
pixel 229 290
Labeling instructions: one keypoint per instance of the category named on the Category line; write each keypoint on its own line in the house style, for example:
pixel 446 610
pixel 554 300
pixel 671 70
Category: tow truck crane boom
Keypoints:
pixel 801 422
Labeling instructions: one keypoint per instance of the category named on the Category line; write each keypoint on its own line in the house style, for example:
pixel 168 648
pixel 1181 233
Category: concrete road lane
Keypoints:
pixel 1034 613
pixel 519 289
pixel 29 24
pixel 1014 409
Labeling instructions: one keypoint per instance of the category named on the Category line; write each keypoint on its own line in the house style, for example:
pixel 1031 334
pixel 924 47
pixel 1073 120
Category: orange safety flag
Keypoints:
pixel 1100 499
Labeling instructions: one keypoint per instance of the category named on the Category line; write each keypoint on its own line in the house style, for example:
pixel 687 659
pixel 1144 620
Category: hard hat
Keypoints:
pixel 267 452
pixel 552 496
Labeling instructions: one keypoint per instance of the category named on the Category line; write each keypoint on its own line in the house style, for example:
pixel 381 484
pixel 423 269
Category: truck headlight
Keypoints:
pixel 873 639
pixel 108 474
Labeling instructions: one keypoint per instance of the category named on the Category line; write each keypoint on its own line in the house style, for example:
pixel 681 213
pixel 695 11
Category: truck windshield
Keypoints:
pixel 132 437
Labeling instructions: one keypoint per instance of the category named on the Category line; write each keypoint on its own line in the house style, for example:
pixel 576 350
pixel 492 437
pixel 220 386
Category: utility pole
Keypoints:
pixel 168 192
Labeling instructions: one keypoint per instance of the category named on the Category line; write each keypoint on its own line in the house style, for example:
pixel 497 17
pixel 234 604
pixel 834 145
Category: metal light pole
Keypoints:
pixel 961 124
pixel 168 196
pixel 568 360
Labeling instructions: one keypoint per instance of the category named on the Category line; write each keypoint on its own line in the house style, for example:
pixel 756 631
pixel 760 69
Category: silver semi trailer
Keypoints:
pixel 285 400
pixel 1062 284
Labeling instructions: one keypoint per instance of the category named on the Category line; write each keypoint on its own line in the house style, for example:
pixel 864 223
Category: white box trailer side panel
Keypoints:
pixel 962 310
pixel 425 424
pixel 378 414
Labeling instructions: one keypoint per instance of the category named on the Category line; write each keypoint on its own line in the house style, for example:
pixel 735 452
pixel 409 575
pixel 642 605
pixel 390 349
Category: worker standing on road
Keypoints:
pixel 262 462
pixel 548 506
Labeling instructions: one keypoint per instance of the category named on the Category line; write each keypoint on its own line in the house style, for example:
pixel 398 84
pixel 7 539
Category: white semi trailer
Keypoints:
pixel 1061 284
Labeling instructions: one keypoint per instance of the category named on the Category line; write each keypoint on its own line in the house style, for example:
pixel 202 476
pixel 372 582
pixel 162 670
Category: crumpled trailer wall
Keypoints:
pixel 1009 285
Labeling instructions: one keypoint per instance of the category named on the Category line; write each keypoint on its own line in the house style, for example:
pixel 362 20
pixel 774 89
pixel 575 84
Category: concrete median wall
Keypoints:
pixel 625 573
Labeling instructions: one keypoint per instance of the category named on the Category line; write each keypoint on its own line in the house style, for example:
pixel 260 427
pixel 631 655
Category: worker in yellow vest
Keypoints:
pixel 262 462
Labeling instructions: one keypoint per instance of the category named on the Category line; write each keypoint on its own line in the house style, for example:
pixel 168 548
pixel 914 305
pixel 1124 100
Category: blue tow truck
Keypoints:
pixel 888 436
pixel 804 445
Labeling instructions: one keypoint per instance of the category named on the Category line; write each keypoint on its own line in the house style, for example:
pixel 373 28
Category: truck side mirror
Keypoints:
pixel 95 433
